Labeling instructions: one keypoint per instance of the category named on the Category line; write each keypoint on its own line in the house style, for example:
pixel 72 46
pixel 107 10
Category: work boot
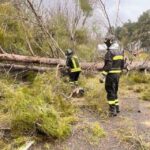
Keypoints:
pixel 117 109
pixel 112 111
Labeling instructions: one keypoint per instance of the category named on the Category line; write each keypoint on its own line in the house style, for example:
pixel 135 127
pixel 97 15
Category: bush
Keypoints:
pixel 38 106
pixel 136 77
pixel 95 94
pixel 146 95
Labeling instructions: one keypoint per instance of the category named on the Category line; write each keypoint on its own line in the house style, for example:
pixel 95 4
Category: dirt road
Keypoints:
pixel 130 130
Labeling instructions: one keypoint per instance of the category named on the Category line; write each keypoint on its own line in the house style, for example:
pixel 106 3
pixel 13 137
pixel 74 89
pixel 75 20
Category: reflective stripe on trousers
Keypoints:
pixel 113 102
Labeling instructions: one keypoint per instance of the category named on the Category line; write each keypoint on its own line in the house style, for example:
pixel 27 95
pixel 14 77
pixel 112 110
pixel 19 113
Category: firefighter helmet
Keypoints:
pixel 69 52
pixel 109 40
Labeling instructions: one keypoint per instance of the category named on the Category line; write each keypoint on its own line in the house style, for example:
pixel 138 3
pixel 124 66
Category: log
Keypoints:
pixel 46 61
pixel 51 62
pixel 31 59
pixel 13 67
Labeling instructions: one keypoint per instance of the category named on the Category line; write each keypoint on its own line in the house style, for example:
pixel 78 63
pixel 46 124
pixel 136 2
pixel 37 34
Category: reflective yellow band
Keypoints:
pixel 115 71
pixel 74 64
pixel 117 101
pixel 75 69
pixel 119 57
pixel 104 72
pixel 111 102
pixel 71 82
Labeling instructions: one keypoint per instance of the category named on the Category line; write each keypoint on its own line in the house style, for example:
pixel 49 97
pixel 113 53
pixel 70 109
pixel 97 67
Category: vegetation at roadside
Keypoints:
pixel 128 134
pixel 38 106
pixel 94 132
pixel 138 83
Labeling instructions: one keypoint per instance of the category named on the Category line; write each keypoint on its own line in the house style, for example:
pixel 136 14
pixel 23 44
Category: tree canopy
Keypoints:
pixel 136 31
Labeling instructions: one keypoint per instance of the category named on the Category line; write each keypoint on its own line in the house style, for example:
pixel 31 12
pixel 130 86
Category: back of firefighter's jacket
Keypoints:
pixel 114 61
pixel 73 63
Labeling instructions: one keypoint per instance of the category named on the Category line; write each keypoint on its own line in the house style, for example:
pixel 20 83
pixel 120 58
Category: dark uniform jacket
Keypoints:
pixel 73 63
pixel 114 61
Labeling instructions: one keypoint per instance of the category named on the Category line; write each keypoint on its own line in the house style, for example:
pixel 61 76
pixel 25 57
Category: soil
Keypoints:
pixel 130 130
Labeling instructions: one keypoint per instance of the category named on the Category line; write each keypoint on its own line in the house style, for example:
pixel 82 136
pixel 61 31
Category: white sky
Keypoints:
pixel 129 9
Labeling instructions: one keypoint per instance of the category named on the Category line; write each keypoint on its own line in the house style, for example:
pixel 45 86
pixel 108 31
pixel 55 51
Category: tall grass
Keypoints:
pixel 37 106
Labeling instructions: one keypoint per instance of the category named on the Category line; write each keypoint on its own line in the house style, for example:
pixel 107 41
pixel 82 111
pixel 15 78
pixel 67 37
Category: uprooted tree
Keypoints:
pixel 31 38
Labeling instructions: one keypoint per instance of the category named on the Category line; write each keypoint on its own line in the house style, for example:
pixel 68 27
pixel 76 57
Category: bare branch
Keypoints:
pixel 43 28
pixel 106 14
pixel 2 50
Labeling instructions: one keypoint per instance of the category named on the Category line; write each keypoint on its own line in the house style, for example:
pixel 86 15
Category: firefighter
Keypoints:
pixel 73 67
pixel 113 66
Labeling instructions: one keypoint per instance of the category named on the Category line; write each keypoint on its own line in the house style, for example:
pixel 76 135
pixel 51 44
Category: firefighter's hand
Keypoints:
pixel 102 78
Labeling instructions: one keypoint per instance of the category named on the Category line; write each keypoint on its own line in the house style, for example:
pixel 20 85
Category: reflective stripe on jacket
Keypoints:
pixel 114 62
pixel 73 63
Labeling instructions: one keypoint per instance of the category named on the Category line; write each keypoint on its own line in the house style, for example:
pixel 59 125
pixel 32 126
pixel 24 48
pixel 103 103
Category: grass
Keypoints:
pixel 138 83
pixel 95 94
pixel 128 134
pixel 37 106
pixel 146 95
pixel 94 132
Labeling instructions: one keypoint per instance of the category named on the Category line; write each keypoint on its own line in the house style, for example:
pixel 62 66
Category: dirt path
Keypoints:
pixel 130 130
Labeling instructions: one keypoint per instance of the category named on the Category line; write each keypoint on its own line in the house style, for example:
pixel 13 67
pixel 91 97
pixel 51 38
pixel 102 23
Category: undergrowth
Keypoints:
pixel 95 94
pixel 138 83
pixel 37 107
pixel 94 132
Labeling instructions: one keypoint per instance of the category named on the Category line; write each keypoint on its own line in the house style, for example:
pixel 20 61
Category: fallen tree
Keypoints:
pixel 13 67
pixel 31 62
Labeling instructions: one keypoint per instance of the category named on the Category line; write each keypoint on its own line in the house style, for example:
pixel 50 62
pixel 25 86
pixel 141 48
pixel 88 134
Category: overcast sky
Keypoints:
pixel 129 9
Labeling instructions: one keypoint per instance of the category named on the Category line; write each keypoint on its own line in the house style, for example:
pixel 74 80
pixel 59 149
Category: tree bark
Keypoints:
pixel 13 67
pixel 51 62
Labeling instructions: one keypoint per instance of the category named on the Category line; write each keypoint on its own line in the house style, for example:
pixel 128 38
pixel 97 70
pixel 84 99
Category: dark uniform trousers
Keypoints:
pixel 111 86
pixel 75 69
pixel 74 76
pixel 113 66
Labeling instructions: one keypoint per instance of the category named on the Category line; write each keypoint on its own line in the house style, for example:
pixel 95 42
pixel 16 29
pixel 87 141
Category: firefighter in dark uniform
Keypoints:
pixel 113 66
pixel 73 66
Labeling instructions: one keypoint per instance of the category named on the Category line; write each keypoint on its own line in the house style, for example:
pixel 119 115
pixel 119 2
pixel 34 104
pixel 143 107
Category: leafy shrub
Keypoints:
pixel 39 106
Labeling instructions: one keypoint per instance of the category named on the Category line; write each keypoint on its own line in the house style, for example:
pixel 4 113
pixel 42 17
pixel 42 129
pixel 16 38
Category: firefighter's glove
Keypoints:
pixel 102 78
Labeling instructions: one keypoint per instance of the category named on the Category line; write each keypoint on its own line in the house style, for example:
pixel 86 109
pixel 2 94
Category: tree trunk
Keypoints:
pixel 13 67
pixel 51 62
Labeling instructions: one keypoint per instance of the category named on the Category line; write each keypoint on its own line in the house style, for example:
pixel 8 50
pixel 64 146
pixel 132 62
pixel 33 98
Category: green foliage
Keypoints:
pixel 136 77
pixel 144 28
pixel 38 106
pixel 139 83
pixel 95 94
pixel 81 36
pixel 18 35
pixel 94 132
pixel 85 52
pixel 146 95
pixel 97 130
pixel 85 6
pixel 132 32
pixel 11 31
